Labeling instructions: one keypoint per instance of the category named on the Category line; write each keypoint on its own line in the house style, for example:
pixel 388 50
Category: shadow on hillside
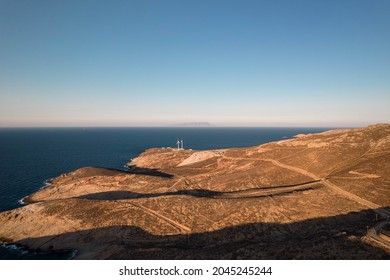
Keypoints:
pixel 133 169
pixel 117 195
pixel 92 171
pixel 246 193
pixel 337 237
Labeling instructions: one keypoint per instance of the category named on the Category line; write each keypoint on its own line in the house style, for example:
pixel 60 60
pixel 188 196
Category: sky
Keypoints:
pixel 161 63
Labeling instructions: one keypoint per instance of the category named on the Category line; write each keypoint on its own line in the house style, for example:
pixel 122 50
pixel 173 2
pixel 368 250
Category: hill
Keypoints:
pixel 311 197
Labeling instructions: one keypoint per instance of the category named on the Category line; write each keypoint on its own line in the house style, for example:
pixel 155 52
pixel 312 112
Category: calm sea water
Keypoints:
pixel 30 156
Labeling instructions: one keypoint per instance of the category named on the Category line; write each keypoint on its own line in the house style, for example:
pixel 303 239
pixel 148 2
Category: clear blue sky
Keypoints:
pixel 234 63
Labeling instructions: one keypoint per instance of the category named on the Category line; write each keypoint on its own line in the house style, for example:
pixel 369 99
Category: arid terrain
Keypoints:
pixel 317 196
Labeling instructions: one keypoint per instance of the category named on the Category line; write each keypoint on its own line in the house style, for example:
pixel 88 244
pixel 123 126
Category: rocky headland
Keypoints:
pixel 317 196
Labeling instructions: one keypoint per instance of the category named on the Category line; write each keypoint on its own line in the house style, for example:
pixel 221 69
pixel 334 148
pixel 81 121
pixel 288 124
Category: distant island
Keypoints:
pixel 317 196
pixel 195 124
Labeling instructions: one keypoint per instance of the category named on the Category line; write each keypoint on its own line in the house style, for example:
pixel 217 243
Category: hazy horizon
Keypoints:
pixel 161 63
pixel 78 125
pixel 122 123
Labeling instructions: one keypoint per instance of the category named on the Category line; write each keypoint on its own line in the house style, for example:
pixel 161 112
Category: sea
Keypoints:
pixel 31 156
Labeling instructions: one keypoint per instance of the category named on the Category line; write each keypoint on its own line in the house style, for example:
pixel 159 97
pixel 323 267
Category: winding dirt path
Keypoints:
pixel 269 191
pixel 369 204
pixel 371 233
pixel 151 212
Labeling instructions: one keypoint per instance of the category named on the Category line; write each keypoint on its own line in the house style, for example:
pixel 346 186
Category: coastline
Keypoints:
pixel 114 151
pixel 21 252
pixel 213 198
pixel 25 200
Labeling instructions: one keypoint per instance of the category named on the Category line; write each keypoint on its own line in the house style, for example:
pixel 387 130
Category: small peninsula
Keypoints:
pixel 317 196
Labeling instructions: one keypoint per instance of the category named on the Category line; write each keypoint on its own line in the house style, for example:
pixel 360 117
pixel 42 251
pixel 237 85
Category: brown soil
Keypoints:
pixel 306 198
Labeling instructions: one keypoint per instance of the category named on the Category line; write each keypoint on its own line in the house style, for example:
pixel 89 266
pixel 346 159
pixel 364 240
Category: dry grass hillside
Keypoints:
pixel 311 197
